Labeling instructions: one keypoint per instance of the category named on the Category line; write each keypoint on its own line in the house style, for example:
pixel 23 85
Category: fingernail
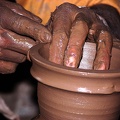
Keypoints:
pixel 47 37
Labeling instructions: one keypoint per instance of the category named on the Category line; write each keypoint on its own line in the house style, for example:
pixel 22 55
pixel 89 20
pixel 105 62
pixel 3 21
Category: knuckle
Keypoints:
pixel 16 23
pixel 7 17
pixel 68 7
pixel 4 43
pixel 19 6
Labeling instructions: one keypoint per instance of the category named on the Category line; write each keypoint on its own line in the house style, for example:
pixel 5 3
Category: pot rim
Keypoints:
pixel 75 71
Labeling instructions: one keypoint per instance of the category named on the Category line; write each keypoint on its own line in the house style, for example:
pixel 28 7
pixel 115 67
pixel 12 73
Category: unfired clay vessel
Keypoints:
pixel 76 94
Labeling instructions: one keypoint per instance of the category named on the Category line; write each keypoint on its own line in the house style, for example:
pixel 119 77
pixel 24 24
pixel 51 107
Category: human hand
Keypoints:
pixel 19 31
pixel 71 26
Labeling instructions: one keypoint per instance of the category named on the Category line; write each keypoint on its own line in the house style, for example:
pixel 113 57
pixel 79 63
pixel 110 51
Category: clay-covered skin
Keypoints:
pixel 71 27
pixel 19 31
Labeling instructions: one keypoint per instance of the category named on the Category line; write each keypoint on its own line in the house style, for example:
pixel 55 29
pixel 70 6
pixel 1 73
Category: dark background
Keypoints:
pixel 10 81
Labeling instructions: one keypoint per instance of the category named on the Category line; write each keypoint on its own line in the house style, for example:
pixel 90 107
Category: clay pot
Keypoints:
pixel 76 94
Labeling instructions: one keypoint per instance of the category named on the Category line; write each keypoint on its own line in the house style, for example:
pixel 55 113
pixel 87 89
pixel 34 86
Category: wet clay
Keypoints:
pixel 72 94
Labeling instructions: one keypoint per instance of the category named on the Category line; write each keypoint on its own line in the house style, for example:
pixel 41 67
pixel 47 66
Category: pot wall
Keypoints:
pixel 57 104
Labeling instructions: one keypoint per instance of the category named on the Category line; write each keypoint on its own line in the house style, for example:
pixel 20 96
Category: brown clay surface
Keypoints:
pixel 71 94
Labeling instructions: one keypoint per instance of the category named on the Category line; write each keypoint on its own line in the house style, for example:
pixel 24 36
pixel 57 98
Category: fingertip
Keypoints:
pixel 70 62
pixel 7 67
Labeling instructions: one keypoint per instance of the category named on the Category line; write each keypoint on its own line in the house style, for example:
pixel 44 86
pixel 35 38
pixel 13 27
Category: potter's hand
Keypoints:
pixel 71 27
pixel 19 31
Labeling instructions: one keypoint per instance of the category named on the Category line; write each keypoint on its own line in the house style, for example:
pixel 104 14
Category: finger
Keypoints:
pixel 7 67
pixel 61 23
pixel 103 55
pixel 13 41
pixel 12 56
pixel 60 40
pixel 23 25
pixel 20 10
pixel 78 35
